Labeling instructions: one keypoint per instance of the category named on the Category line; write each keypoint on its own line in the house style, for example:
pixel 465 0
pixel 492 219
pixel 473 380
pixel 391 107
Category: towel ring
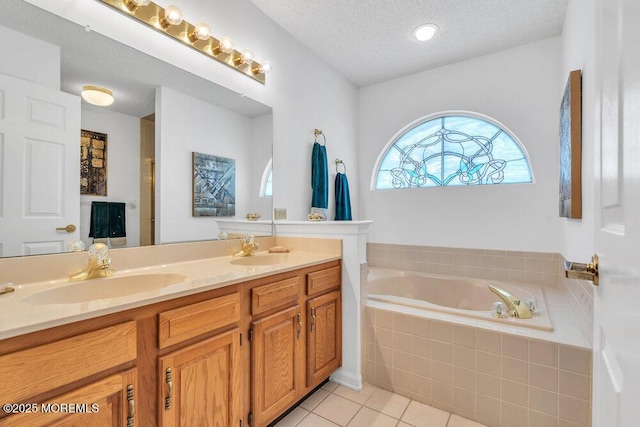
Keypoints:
pixel 317 132
pixel 338 163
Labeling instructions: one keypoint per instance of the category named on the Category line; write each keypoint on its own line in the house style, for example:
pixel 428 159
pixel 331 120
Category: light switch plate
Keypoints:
pixel 279 213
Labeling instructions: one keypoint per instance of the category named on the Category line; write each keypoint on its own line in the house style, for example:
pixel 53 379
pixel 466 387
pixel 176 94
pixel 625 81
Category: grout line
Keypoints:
pixel 362 405
pixel 300 422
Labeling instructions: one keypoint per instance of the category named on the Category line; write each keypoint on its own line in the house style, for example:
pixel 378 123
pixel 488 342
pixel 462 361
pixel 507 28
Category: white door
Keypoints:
pixel 39 167
pixel 616 357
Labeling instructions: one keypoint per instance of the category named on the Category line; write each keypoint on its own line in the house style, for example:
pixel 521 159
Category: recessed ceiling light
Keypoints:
pixel 425 32
pixel 97 95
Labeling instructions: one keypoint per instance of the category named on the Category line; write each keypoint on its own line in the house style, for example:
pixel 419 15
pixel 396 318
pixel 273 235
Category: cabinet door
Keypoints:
pixel 200 385
pixel 106 402
pixel 324 337
pixel 277 364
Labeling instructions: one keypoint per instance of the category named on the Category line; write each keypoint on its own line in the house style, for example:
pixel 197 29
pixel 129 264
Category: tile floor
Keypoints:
pixel 335 405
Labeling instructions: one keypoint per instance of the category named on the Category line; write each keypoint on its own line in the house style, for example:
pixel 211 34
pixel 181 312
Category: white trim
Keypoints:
pixel 437 115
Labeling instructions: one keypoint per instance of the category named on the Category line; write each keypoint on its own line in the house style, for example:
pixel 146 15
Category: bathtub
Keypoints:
pixel 457 296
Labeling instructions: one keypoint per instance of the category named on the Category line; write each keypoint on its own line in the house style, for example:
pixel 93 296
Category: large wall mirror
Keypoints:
pixel 160 117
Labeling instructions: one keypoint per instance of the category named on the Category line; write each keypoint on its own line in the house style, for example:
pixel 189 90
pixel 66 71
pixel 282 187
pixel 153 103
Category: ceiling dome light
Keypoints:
pixel 97 95
pixel 425 32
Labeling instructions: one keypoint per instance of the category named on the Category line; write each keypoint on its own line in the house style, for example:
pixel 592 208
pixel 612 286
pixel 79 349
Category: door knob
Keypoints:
pixel 577 270
pixel 69 228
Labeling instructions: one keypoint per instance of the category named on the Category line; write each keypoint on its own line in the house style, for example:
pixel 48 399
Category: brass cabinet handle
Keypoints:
pixel 299 325
pixel 132 406
pixel 69 228
pixel 167 399
pixel 313 318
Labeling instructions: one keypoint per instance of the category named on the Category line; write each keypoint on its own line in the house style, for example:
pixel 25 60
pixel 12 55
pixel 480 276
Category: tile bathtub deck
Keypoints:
pixel 334 405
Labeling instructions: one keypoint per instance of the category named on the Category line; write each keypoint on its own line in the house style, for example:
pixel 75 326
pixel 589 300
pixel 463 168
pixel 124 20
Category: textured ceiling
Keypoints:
pixel 370 41
pixel 88 58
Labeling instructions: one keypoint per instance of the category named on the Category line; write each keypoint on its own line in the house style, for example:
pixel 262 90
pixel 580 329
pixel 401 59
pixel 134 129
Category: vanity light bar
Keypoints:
pixel 153 16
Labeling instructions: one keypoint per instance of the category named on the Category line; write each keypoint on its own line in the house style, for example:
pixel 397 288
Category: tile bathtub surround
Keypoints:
pixel 540 268
pixel 494 378
pixel 581 303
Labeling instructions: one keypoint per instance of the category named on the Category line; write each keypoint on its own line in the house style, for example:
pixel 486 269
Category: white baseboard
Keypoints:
pixel 347 379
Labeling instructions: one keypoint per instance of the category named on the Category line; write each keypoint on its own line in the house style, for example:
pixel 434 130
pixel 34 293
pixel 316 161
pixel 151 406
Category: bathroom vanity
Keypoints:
pixel 237 350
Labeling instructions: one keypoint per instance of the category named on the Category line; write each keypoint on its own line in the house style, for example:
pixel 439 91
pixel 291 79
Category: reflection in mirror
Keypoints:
pixel 161 115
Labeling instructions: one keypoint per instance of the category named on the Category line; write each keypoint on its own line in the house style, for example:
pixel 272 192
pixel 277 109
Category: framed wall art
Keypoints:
pixel 93 163
pixel 214 185
pixel 571 148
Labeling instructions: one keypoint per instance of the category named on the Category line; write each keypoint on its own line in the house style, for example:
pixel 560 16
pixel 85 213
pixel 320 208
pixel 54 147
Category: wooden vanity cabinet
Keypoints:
pixel 106 402
pixel 200 384
pixel 277 364
pixel 324 337
pixel 240 355
pixel 296 339
pixel 54 383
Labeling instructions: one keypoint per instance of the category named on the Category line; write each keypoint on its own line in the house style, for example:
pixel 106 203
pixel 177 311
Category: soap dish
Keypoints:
pixel 278 250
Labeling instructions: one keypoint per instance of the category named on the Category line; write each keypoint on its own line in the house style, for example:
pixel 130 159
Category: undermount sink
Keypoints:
pixel 97 289
pixel 264 259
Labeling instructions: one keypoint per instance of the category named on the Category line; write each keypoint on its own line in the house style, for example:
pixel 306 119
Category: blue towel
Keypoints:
pixel 319 177
pixel 107 220
pixel 99 223
pixel 343 200
pixel 117 220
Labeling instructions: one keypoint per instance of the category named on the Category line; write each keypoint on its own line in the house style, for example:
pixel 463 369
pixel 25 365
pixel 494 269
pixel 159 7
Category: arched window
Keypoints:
pixel 452 148
pixel 267 178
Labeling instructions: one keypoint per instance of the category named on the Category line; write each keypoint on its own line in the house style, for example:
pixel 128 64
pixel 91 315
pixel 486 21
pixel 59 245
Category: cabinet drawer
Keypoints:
pixel 39 369
pixel 187 322
pixel 274 295
pixel 324 280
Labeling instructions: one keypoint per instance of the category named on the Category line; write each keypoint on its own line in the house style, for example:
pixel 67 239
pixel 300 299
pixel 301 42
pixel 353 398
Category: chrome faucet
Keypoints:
pixel 515 307
pixel 99 264
pixel 249 246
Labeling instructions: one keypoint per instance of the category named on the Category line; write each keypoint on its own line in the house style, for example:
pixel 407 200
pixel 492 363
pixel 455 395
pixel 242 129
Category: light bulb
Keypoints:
pixel 200 32
pixel 247 56
pixel 132 5
pixel 172 16
pixel 226 44
pixel 264 68
pixel 425 32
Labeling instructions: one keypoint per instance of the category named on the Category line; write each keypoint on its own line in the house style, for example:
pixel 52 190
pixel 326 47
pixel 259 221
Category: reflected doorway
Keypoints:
pixel 147 179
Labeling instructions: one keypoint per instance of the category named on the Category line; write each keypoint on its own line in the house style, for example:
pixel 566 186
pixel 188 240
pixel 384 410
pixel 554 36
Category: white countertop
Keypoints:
pixel 19 316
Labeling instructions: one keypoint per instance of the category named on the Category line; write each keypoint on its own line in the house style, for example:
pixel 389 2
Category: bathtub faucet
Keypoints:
pixel 515 307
